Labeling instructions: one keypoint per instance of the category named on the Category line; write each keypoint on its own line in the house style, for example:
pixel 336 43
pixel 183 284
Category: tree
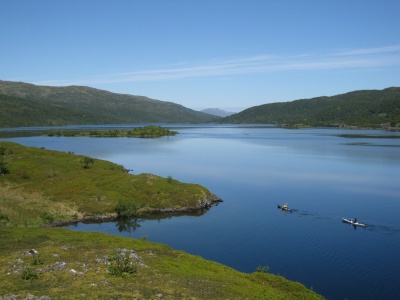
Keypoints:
pixel 126 209
pixel 3 167
pixel 262 269
pixel 3 151
pixel 87 161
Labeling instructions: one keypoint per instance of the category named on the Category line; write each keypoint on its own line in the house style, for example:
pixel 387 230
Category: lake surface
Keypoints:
pixel 324 174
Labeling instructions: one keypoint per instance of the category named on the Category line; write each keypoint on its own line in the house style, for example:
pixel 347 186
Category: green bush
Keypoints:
pixel 121 264
pixel 87 161
pixel 4 218
pixel 29 274
pixel 125 209
pixel 25 175
pixel 2 151
pixel 47 218
pixel 262 269
pixel 37 260
pixel 3 167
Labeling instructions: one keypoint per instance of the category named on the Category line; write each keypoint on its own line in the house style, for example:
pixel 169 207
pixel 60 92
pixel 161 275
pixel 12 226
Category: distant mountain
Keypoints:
pixel 365 108
pixel 217 112
pixel 23 104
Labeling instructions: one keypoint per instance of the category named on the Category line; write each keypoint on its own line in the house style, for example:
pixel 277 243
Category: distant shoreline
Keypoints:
pixel 150 131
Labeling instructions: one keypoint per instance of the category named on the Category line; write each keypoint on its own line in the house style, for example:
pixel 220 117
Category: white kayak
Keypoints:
pixel 353 223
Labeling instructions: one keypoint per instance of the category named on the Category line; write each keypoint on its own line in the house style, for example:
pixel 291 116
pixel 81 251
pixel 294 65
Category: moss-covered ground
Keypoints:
pixel 44 186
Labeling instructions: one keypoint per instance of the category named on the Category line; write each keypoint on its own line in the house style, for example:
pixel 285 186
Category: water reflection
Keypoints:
pixel 324 176
pixel 128 225
pixel 170 215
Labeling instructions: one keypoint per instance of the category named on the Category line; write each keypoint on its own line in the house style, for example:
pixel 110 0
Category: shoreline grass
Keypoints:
pixel 71 264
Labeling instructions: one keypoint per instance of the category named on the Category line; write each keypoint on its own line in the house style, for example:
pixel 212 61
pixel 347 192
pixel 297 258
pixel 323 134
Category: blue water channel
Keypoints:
pixel 324 174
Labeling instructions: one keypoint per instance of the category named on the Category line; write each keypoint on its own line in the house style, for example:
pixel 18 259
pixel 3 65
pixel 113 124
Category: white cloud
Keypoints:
pixel 378 50
pixel 350 59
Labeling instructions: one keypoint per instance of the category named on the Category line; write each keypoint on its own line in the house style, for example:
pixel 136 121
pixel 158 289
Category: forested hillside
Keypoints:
pixel 23 104
pixel 18 112
pixel 366 108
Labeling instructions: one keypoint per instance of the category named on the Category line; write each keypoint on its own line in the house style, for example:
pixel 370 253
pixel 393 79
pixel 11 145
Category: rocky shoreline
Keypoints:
pixel 210 201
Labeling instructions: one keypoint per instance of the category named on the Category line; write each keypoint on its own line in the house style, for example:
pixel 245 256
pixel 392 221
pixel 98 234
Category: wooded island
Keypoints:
pixel 150 131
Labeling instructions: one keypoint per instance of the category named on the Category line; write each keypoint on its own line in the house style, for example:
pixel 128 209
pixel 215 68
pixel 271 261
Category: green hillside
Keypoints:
pixel 23 104
pixel 38 185
pixel 19 112
pixel 367 108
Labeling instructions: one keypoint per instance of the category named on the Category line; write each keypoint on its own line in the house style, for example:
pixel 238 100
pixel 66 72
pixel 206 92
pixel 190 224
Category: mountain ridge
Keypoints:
pixel 87 105
pixel 25 104
pixel 217 112
pixel 364 108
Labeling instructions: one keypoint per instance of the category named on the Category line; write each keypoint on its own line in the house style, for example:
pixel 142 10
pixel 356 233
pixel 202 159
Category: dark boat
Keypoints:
pixel 284 208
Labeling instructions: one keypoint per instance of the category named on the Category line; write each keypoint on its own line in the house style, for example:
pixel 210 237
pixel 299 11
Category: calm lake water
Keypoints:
pixel 324 174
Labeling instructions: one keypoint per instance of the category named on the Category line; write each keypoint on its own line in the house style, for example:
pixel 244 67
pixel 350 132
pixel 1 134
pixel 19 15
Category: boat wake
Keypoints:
pixel 387 229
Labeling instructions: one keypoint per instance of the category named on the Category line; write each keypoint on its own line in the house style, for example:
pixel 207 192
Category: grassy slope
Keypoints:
pixel 369 108
pixel 85 105
pixel 162 270
pixel 19 112
pixel 56 184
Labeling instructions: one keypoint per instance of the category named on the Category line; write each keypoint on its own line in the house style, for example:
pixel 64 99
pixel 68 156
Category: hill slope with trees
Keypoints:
pixel 23 104
pixel 365 108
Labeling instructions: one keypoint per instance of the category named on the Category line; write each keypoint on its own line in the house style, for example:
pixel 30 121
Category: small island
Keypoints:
pixel 150 131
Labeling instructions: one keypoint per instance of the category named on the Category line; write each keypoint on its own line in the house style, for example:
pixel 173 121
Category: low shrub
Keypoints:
pixel 121 264
pixel 47 218
pixel 29 274
pixel 125 209
pixel 3 167
pixel 37 260
pixel 262 269
pixel 87 161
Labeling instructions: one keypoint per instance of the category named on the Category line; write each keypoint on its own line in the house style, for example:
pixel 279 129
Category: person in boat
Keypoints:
pixel 284 206
pixel 355 220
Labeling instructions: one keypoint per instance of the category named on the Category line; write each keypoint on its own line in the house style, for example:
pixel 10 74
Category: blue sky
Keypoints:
pixel 228 54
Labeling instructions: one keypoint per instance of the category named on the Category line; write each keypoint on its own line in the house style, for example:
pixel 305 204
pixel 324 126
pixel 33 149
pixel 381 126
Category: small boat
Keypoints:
pixel 285 208
pixel 352 222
